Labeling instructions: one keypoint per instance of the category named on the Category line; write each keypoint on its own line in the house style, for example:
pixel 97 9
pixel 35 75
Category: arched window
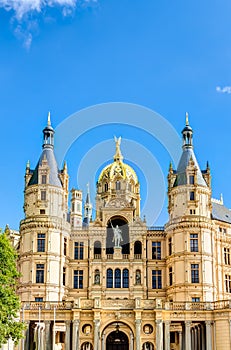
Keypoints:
pixel 109 278
pixel 117 278
pixel 106 187
pixel 125 278
pixel 97 250
pixel 118 185
pixel 137 250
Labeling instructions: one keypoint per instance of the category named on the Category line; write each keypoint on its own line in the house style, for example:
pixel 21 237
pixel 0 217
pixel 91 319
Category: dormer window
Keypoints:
pixel 44 179
pixel 192 180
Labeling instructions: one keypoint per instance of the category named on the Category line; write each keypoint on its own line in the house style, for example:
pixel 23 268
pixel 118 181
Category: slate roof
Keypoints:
pixel 181 178
pixel 221 213
pixel 54 179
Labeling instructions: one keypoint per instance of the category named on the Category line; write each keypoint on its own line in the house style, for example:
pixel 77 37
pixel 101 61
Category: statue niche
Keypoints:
pixel 117 235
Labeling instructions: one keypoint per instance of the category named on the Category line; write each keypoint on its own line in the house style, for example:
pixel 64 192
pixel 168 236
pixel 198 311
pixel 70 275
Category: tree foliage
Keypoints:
pixel 10 327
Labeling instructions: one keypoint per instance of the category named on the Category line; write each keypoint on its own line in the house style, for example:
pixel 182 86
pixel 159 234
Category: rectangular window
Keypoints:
pixel 156 250
pixel 170 246
pixel 73 207
pixel 195 300
pixel 38 300
pixel 191 179
pixel 228 284
pixel 39 273
pixel 78 279
pixel 227 256
pixel 194 242
pixel 44 179
pixel 41 240
pixel 42 211
pixel 194 273
pixel 64 276
pixel 192 196
pixel 170 276
pixel 78 251
pixel 156 279
pixel 65 247
pixel 43 195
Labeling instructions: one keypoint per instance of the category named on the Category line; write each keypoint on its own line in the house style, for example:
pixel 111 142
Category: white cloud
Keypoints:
pixel 24 7
pixel 25 13
pixel 224 90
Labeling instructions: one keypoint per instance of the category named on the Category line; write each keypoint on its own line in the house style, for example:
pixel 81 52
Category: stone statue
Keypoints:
pixel 97 278
pixel 117 236
pixel 138 277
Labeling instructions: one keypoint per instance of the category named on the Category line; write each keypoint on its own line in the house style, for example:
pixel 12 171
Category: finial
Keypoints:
pixel 88 188
pixel 118 155
pixel 49 119
pixel 187 121
pixel 222 199
pixel 28 164
pixel 170 166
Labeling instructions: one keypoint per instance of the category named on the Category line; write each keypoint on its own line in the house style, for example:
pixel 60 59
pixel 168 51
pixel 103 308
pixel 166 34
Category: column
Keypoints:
pixel 138 334
pixel 75 336
pixel 208 325
pixel 202 337
pixel 67 337
pixel 167 335
pixel 188 335
pixel 180 341
pixel 26 340
pixel 48 335
pixel 96 334
pixel 103 342
pixel 159 335
pixel 131 341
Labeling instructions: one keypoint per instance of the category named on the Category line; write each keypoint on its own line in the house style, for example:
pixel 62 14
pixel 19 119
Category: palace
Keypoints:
pixel 113 283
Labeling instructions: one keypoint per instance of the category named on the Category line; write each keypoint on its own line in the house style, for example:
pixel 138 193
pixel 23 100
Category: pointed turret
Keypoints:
pixel 87 209
pixel 188 158
pixel 47 159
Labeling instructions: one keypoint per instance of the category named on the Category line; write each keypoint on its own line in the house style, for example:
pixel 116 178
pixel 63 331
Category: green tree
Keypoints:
pixel 10 327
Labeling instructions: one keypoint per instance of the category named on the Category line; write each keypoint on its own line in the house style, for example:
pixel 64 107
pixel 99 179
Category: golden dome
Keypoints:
pixel 118 169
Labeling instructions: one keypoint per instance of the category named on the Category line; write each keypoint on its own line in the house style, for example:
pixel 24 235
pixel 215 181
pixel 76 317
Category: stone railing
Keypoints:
pixel 123 304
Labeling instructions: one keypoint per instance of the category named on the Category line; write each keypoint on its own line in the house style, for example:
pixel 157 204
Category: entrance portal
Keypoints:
pixel 117 340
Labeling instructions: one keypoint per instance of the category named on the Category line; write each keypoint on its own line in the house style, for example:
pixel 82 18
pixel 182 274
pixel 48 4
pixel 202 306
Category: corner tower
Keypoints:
pixel 45 230
pixel 189 230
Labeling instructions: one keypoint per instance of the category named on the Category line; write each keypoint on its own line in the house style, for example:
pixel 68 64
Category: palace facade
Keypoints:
pixel 113 283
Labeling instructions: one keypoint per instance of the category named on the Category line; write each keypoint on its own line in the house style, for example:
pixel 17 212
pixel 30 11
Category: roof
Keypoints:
pixel 181 179
pixel 221 213
pixel 54 179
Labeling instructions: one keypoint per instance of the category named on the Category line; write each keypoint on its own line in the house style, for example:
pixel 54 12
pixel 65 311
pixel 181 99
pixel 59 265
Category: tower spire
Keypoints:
pixel 187 120
pixel 187 133
pixel 48 134
pixel 87 208
pixel 49 119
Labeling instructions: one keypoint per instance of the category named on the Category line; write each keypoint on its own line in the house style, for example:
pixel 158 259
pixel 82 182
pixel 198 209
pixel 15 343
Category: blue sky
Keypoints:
pixel 66 55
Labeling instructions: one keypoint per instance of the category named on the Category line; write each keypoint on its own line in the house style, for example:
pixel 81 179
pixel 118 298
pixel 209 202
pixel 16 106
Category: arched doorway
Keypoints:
pixel 117 340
